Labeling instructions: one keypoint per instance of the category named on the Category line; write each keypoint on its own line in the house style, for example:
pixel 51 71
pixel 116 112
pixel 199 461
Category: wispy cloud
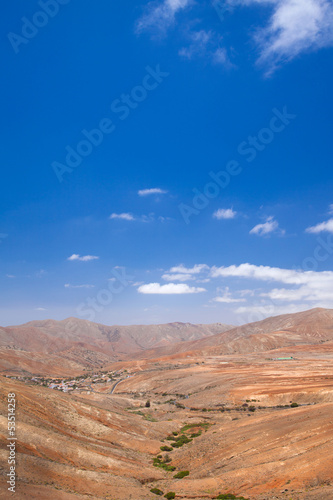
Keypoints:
pixel 158 17
pixel 268 227
pixel 304 285
pixel 122 216
pixel 224 213
pixel 321 227
pixel 205 44
pixel 40 309
pixel 138 218
pixel 68 285
pixel 169 289
pixel 178 277
pixel 147 192
pixel 84 258
pixel 227 298
pixel 294 27
pixel 198 268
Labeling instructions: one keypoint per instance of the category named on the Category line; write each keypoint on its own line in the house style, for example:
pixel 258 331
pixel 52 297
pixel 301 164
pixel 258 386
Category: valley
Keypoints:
pixel 257 425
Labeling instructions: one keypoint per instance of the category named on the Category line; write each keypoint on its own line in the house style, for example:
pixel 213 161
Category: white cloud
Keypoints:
pixel 305 285
pixel 270 226
pixel 259 312
pixel 140 218
pixel 169 289
pixel 159 16
pixel 68 285
pixel 226 297
pixel 84 258
pixel 224 213
pixel 147 192
pixel 323 226
pixel 198 268
pixel 295 26
pixel 123 216
pixel 10 276
pixel 40 309
pixel 182 273
pixel 177 277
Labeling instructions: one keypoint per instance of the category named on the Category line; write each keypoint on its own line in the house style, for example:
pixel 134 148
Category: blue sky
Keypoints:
pixel 166 161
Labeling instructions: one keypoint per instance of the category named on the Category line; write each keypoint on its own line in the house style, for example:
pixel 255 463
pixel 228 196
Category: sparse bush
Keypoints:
pixel 294 405
pixel 156 491
pixel 181 474
pixel 166 448
pixel 147 405
pixel 252 408
pixel 150 418
pixel 170 496
pixel 180 441
pixel 229 496
pixel 163 465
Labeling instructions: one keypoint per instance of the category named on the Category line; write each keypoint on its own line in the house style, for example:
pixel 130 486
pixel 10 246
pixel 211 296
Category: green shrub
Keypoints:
pixel 204 425
pixel 229 496
pixel 165 448
pixel 163 465
pixel 156 491
pixel 181 474
pixel 196 435
pixel 170 496
pixel 180 441
pixel 294 405
pixel 252 408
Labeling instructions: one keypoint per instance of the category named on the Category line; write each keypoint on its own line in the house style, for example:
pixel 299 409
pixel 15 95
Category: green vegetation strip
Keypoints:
pixel 229 496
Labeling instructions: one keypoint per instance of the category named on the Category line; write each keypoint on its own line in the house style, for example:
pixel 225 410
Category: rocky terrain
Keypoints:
pixel 254 424
pixel 64 348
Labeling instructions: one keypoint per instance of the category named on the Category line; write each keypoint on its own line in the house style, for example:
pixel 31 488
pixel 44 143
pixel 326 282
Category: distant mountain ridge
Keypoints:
pixel 69 346
pixel 76 343
pixel 309 327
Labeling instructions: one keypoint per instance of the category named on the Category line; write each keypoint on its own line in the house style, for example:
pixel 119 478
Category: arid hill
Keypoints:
pixel 66 347
pixel 237 430
pixel 309 327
